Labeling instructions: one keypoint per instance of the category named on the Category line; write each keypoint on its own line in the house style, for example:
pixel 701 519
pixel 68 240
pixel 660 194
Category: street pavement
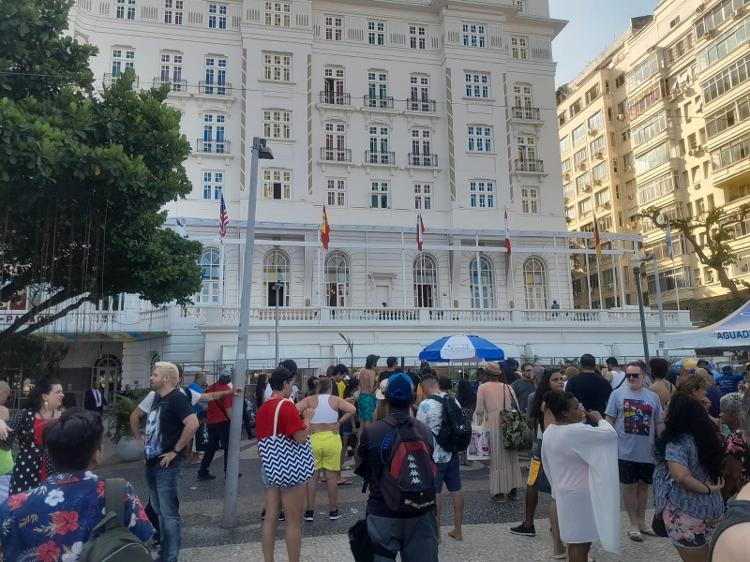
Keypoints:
pixel 486 531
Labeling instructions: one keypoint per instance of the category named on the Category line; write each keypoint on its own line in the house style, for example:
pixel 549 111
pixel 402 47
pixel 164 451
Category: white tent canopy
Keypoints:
pixel 731 332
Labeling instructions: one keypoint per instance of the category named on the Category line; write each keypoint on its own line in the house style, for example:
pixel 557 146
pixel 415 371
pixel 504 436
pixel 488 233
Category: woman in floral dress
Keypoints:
pixel 736 449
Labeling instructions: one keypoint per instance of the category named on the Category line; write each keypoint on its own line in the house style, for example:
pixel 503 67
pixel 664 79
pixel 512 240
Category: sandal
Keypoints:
pixel 635 536
pixel 344 483
pixel 650 532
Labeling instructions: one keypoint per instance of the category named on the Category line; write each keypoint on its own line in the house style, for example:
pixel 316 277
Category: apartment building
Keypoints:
pixel 379 111
pixel 673 101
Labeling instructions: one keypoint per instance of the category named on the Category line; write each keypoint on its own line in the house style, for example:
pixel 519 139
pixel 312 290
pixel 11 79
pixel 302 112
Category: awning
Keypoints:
pixel 731 332
pixel 100 337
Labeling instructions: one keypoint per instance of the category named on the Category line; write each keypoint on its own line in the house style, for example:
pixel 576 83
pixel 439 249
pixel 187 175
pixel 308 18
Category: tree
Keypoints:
pixel 83 177
pixel 718 227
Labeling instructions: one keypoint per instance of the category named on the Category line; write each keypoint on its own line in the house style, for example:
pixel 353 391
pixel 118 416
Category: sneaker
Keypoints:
pixel 523 530
pixel 263 514
pixel 333 515
pixel 309 515
pixel 206 476
pixel 282 517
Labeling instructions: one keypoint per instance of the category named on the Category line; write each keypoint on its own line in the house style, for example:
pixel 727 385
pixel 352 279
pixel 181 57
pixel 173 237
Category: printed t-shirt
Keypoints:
pixel 148 401
pixel 164 424
pixel 430 413
pixel 636 413
pixel 728 384
pixel 218 410
pixel 289 419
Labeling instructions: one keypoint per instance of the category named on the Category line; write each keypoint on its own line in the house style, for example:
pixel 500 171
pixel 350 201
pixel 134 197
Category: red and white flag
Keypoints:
pixel 223 219
pixel 325 230
pixel 507 234
pixel 420 232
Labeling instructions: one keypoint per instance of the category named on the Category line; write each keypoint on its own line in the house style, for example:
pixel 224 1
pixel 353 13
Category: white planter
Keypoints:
pixel 128 450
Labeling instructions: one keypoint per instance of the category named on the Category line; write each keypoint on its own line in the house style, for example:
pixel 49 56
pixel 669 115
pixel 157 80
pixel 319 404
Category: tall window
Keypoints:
pixel 277 183
pixel 519 47
pixel 277 67
pixel 333 86
pixel 482 284
pixel 277 124
pixel 421 148
pixel 337 279
pixel 527 148
pixel 479 138
pixel 333 28
pixel 376 32
pixel 522 98
pixel 276 278
pixel 336 192
pixel 335 142
pixel 213 184
pixel 419 93
pixel 425 281
pixel 125 10
pixel 379 190
pixel 122 59
pixel 423 196
pixel 474 35
pixel 481 194
pixel 210 264
pixel 530 200
pixel 173 10
pixel 417 37
pixel 213 133
pixel 215 75
pixel 535 284
pixel 379 145
pixel 277 14
pixel 171 71
pixel 477 85
pixel 377 89
pixel 217 16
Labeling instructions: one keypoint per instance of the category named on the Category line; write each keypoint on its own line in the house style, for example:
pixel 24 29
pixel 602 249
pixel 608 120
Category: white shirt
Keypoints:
pixel 148 401
pixel 267 393
pixel 97 397
pixel 618 378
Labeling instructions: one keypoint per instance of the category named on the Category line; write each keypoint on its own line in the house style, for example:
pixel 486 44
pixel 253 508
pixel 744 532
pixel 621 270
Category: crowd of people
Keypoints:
pixel 596 433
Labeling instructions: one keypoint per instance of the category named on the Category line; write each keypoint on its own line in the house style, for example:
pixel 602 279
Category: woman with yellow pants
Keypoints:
pixel 326 442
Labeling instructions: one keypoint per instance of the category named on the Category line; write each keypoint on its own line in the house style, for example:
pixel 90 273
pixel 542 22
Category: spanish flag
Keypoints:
pixel 597 239
pixel 325 230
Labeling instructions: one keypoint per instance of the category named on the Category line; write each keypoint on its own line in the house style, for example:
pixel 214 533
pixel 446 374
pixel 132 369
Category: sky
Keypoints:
pixel 592 26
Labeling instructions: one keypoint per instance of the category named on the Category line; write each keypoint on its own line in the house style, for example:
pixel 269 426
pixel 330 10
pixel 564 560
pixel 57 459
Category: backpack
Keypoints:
pixel 455 429
pixel 110 540
pixel 408 482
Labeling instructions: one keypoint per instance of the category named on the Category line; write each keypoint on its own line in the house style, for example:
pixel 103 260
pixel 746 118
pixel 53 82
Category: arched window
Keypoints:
pixel 482 283
pixel 210 263
pixel 276 278
pixel 425 281
pixel 535 284
pixel 337 279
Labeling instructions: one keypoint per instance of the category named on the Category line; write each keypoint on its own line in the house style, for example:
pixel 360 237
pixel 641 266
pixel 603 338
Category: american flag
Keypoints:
pixel 223 219
pixel 420 232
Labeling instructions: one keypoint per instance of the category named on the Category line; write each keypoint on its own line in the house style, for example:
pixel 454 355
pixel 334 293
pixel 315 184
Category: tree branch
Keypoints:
pixel 54 300
pixel 52 318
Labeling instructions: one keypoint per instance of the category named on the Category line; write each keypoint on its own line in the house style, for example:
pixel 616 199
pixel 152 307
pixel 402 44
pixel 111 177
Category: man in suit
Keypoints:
pixel 94 399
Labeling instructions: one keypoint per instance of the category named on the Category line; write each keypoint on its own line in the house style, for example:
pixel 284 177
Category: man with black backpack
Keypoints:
pixel 442 414
pixel 397 466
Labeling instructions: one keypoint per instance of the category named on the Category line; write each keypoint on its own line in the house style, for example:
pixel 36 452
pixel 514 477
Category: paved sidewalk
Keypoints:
pixel 481 543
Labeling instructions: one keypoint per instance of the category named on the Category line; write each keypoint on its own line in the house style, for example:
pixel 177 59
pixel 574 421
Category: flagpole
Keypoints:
pixel 599 276
pixel 403 271
pixel 676 285
pixel 221 271
pixel 614 278
pixel 588 272
pixel 319 283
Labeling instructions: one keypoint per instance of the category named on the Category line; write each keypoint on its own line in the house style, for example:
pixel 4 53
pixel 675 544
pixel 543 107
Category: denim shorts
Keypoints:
pixel 450 473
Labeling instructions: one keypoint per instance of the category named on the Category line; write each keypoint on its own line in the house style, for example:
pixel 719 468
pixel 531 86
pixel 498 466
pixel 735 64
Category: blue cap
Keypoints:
pixel 400 389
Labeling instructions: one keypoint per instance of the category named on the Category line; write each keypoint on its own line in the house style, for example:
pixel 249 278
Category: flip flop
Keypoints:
pixel 561 556
pixel 635 536
pixel 344 483
pixel 650 532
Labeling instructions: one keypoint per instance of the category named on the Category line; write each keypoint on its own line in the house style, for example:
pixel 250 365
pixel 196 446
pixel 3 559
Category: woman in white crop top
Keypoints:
pixel 326 442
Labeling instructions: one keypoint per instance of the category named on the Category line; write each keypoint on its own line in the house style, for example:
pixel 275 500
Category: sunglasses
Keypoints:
pixel 633 375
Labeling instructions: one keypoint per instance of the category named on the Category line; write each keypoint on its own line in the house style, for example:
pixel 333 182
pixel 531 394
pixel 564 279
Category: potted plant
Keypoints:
pixel 117 419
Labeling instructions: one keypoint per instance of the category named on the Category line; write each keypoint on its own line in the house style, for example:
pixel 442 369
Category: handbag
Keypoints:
pixel 514 427
pixel 479 445
pixel 286 463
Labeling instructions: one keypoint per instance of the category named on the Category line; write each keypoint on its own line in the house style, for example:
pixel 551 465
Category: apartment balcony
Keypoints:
pixel 335 154
pixel 525 113
pixel 530 166
pixel 378 102
pixel 331 98
pixel 214 89
pixel 209 146
pixel 110 79
pixel 423 160
pixel 175 86
pixel 421 106
pixel 384 158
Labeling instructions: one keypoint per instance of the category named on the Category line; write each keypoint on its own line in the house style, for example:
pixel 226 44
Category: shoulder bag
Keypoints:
pixel 514 428
pixel 286 463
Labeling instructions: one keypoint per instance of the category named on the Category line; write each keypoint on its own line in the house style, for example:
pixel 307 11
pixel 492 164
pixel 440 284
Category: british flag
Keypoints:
pixel 223 219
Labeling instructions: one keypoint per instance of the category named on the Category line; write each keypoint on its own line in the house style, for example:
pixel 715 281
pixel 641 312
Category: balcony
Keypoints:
pixel 423 160
pixel 110 79
pixel 421 106
pixel 335 154
pixel 175 86
pixel 209 146
pixel 386 158
pixel 379 102
pixel 331 98
pixel 526 113
pixel 214 89
pixel 530 166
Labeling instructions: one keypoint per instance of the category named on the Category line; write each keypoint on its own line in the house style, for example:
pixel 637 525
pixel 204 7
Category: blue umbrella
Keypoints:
pixel 449 348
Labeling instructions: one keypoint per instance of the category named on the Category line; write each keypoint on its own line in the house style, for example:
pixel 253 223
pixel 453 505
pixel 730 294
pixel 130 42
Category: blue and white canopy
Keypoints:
pixel 731 332
pixel 451 348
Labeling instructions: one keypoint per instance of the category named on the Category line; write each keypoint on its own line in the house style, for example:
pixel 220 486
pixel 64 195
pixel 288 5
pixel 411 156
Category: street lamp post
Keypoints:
pixel 659 303
pixel 636 266
pixel 258 151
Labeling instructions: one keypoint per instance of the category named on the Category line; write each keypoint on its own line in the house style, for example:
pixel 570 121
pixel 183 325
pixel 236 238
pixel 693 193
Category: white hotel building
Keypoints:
pixel 378 110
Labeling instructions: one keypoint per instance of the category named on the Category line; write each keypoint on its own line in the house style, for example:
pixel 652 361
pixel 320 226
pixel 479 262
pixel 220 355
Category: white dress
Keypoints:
pixel 580 462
